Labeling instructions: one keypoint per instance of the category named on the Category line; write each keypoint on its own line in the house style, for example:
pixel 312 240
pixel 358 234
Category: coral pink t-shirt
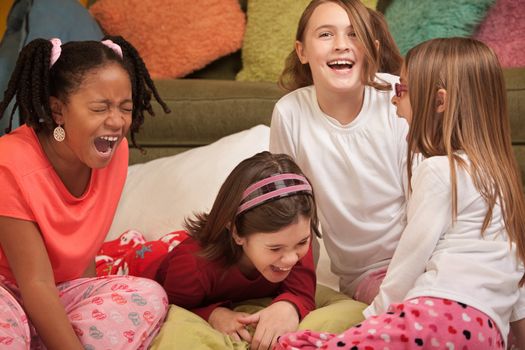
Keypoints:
pixel 73 228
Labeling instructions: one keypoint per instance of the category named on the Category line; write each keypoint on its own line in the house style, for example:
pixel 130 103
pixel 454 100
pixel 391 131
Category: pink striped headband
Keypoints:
pixel 56 50
pixel 273 187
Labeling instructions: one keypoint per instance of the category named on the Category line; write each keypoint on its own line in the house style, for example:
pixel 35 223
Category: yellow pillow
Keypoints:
pixel 269 37
pixel 183 329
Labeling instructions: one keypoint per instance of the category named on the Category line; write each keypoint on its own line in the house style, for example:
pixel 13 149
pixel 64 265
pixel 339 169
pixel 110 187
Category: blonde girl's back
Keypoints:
pixel 475 122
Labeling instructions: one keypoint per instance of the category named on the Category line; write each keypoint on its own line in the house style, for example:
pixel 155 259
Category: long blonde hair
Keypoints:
pixel 368 26
pixel 475 120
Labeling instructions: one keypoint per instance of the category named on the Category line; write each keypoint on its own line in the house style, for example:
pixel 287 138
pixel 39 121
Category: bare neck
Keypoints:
pixel 74 174
pixel 344 107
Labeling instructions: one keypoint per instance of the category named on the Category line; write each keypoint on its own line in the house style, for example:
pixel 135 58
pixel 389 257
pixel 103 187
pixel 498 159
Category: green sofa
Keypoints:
pixel 205 109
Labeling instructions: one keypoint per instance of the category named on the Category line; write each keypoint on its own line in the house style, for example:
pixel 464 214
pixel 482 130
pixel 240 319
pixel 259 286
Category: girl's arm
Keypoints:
pixel 26 253
pixel 429 214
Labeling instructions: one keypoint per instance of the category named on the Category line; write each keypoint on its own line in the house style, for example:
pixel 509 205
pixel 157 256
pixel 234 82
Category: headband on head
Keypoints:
pixel 273 187
pixel 56 50
pixel 115 47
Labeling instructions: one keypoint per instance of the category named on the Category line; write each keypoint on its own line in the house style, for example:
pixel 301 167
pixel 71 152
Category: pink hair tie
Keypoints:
pixel 273 187
pixel 56 50
pixel 115 47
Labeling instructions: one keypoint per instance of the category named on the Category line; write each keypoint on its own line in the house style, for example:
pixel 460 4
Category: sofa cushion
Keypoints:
pixel 175 37
pixel 412 22
pixel 159 194
pixel 203 111
pixel 269 38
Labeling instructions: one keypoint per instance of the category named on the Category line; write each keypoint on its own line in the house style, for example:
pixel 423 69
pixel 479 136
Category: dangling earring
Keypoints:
pixel 59 133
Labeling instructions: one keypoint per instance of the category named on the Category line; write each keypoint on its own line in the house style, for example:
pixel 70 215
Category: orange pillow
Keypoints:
pixel 174 37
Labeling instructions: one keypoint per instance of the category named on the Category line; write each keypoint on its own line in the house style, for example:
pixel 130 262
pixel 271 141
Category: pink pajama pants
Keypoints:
pixel 112 312
pixel 420 323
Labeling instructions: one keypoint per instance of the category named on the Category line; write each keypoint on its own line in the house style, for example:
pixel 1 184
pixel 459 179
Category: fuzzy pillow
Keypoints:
pixel 503 30
pixel 270 37
pixel 412 22
pixel 174 37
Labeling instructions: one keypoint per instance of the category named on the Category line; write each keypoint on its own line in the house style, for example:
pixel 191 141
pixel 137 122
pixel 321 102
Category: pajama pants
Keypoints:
pixel 419 323
pixel 113 312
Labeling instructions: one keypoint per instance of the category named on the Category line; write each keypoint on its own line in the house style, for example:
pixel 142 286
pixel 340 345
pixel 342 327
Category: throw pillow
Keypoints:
pixel 269 38
pixel 503 30
pixel 412 22
pixel 174 37
pixel 178 186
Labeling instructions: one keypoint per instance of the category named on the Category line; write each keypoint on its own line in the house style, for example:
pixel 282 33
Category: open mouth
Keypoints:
pixel 340 64
pixel 105 144
pixel 281 269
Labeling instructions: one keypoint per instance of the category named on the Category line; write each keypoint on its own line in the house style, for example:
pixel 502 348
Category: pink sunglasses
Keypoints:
pixel 400 88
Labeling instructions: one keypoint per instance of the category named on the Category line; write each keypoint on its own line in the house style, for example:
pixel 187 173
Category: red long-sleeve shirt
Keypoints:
pixel 201 285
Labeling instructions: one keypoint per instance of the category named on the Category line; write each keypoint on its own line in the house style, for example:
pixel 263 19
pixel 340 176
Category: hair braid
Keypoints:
pixel 26 82
pixel 142 84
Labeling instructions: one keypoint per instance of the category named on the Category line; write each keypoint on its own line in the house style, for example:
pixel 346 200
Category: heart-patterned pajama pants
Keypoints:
pixel 111 312
pixel 420 323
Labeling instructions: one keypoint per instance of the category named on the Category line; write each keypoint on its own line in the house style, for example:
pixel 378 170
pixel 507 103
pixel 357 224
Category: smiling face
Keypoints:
pixel 96 116
pixel 275 254
pixel 402 102
pixel 332 50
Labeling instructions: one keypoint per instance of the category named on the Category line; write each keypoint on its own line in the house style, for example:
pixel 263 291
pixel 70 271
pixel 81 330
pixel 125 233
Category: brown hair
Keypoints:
pixel 213 230
pixel 475 121
pixel 369 26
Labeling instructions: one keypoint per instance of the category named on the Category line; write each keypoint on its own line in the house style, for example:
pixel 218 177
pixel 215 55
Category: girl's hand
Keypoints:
pixel 227 321
pixel 272 322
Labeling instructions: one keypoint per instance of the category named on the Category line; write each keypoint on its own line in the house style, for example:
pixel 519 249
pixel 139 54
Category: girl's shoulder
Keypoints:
pixel 387 78
pixel 306 93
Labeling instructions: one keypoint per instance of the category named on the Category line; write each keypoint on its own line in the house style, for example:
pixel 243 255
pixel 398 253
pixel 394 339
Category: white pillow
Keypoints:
pixel 159 194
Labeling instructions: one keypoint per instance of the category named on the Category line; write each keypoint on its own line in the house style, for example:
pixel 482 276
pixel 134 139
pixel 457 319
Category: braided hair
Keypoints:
pixel 33 81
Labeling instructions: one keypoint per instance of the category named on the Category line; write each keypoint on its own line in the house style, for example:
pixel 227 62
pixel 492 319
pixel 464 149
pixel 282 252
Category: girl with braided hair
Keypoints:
pixel 62 173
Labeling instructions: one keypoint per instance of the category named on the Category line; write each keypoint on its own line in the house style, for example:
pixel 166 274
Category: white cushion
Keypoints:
pixel 159 194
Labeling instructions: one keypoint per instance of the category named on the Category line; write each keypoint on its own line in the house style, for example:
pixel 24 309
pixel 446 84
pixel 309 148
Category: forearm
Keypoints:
pixel 48 316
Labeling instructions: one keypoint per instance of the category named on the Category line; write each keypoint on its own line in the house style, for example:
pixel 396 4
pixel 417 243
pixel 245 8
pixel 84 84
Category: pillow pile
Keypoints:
pixel 174 37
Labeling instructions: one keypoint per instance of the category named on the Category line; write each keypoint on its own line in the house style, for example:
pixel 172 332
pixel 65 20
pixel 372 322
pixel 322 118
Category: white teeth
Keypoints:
pixel 282 269
pixel 109 138
pixel 340 62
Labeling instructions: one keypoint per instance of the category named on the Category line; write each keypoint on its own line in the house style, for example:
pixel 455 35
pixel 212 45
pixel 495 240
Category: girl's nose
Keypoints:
pixel 290 258
pixel 116 119
pixel 342 43
pixel 394 100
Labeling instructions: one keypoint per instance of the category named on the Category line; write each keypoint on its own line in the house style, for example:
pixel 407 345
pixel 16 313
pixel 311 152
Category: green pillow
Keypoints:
pixel 183 329
pixel 412 22
pixel 269 37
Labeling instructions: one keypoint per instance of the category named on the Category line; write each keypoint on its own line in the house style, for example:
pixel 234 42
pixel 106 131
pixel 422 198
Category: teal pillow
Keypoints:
pixel 412 22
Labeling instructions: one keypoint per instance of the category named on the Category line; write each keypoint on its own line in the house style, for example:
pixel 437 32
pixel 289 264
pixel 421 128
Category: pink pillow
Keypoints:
pixel 503 30
pixel 174 37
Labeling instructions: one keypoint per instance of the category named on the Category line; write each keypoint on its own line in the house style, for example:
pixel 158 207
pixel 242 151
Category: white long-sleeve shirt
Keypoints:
pixel 454 261
pixel 357 172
